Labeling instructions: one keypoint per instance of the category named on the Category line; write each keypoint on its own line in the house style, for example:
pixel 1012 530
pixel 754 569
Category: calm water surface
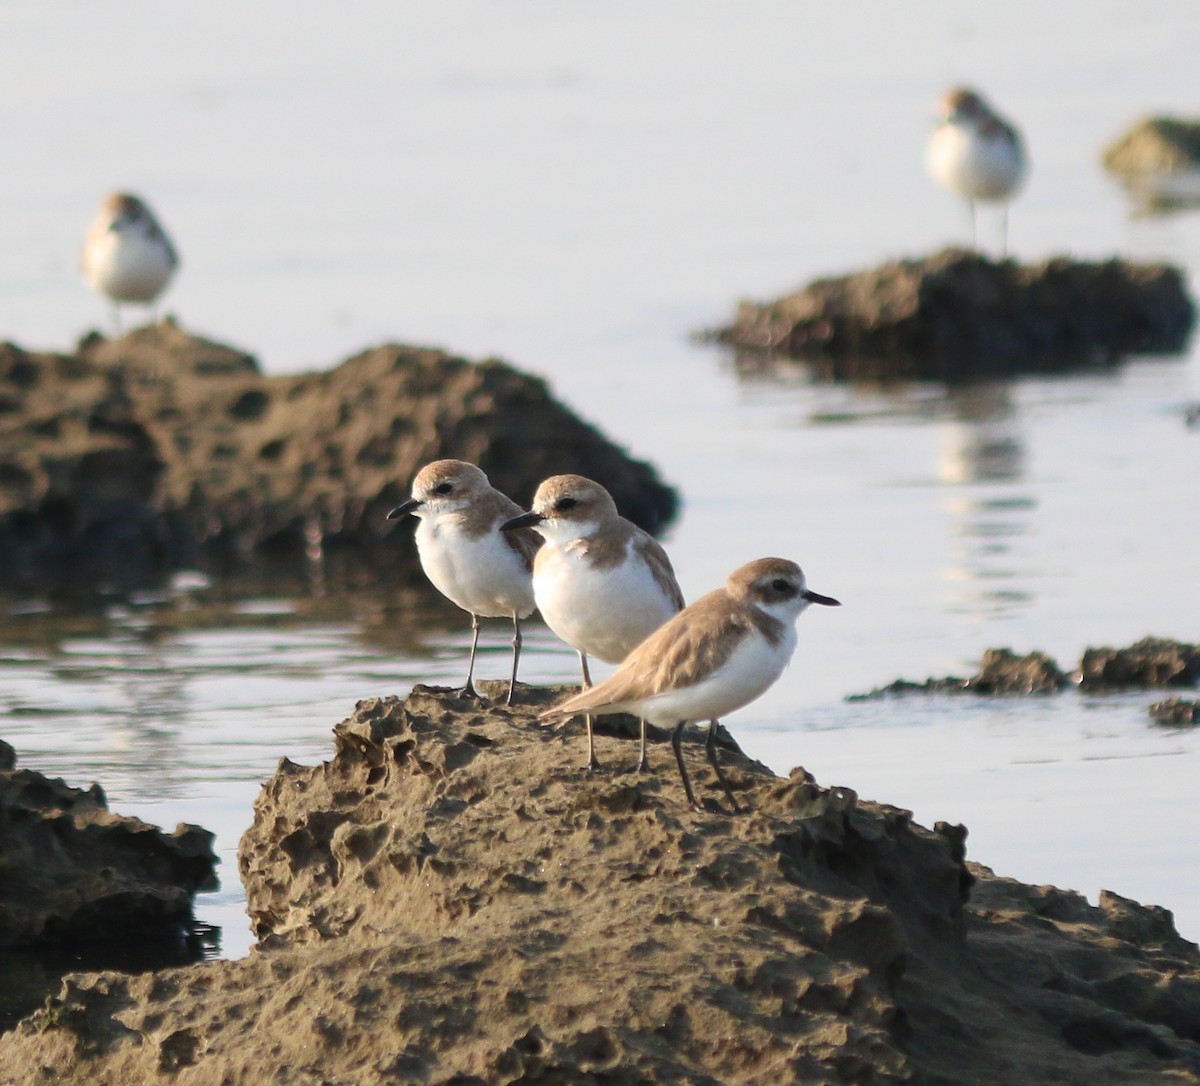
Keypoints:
pixel 577 190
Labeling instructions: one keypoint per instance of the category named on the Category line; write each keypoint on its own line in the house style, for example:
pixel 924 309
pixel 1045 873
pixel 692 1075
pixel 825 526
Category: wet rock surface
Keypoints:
pixel 1151 662
pixel 159 451
pixel 956 315
pixel 73 872
pixel 452 899
pixel 1175 711
pixel 1158 161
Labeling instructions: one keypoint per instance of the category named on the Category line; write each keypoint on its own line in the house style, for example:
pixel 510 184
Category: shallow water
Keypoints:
pixel 577 190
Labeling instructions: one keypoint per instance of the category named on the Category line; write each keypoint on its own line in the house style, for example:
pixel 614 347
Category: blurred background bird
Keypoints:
pixel 977 153
pixel 127 256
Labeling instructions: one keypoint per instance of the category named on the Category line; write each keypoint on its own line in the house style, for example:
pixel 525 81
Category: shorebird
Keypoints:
pixel 600 582
pixel 127 256
pixel 463 552
pixel 712 658
pixel 975 152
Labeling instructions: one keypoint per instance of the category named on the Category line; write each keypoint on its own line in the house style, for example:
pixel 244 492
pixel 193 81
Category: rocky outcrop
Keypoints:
pixel 74 872
pixel 1153 661
pixel 1158 161
pixel 957 315
pixel 159 451
pixel 1175 712
pixel 452 899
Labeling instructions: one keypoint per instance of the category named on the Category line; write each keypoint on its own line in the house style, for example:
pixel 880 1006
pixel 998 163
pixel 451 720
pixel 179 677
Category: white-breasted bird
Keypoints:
pixel 601 583
pixel 976 153
pixel 712 658
pixel 486 572
pixel 127 256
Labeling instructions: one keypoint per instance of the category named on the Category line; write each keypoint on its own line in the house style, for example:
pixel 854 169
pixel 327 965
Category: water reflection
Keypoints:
pixel 981 441
pixel 1162 192
pixel 980 461
pixel 29 977
pixel 981 452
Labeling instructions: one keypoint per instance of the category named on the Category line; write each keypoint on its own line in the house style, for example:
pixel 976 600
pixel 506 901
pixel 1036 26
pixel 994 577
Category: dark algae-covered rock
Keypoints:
pixel 450 899
pixel 1153 661
pixel 1175 711
pixel 1001 671
pixel 158 451
pixel 75 872
pixel 957 315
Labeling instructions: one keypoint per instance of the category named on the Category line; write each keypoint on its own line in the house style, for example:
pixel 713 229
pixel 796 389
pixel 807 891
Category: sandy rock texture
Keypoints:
pixel 452 899
pixel 160 450
pixel 1158 162
pixel 72 871
pixel 957 315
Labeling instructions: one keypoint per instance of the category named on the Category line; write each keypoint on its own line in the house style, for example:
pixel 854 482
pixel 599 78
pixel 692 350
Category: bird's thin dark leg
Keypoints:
pixel 676 739
pixel 468 690
pixel 643 761
pixel 592 762
pixel 710 748
pixel 516 643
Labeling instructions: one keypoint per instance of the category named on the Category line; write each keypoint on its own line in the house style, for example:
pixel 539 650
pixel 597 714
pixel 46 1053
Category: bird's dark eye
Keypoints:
pixel 566 503
pixel 780 585
pixel 443 488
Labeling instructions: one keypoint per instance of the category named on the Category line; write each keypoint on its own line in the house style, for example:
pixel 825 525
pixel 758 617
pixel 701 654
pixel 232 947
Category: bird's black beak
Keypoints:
pixel 407 507
pixel 525 520
pixel 816 597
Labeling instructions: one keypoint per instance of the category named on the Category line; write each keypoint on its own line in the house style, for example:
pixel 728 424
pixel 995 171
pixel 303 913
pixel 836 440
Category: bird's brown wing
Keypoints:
pixel 679 654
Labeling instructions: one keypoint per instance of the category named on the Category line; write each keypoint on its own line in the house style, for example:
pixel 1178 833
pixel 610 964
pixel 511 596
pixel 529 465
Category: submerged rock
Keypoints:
pixel 1158 161
pixel 74 872
pixel 1001 671
pixel 452 899
pixel 957 315
pixel 1153 661
pixel 1175 711
pixel 159 451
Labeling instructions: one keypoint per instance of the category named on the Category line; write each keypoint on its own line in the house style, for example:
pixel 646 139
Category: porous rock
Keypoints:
pixel 453 899
pixel 158 451
pixel 958 315
pixel 73 872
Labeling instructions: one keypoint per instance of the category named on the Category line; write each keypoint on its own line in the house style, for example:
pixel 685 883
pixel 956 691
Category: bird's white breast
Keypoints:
pixel 977 165
pixel 483 575
pixel 604 612
pixel 127 266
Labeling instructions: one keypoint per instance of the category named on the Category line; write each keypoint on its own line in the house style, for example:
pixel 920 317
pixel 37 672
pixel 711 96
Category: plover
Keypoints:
pixel 127 256
pixel 601 583
pixel 976 153
pixel 463 552
pixel 713 657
